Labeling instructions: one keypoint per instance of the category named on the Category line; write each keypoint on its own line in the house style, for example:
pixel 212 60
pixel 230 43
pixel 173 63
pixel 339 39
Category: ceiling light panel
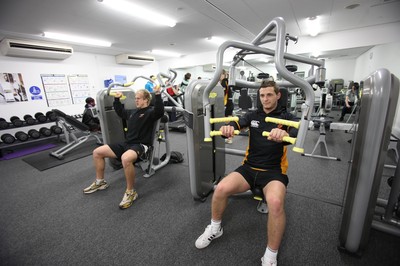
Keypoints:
pixel 313 25
pixel 139 12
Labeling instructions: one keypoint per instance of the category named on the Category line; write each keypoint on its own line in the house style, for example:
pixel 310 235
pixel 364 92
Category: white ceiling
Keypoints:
pixel 239 20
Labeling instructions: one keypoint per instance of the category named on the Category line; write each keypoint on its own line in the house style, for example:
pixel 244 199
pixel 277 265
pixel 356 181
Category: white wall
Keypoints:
pixel 340 69
pixel 381 56
pixel 97 67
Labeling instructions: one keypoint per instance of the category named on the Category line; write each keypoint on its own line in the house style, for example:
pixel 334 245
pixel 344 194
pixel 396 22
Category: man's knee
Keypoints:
pixel 219 189
pixel 275 203
pixel 222 190
pixel 98 153
pixel 128 160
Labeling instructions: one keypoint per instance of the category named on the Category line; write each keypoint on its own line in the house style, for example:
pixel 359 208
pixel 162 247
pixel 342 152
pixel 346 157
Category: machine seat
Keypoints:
pixel 259 195
pixel 245 102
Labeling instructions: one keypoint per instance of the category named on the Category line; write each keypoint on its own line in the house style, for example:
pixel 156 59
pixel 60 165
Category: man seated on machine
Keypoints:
pixel 351 98
pixel 138 137
pixel 263 167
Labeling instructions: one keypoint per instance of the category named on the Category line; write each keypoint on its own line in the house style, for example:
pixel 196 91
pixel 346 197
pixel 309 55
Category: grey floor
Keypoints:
pixel 45 219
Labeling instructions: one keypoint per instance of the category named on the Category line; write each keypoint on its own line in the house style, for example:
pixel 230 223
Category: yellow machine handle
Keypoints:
pixel 224 119
pixel 123 97
pixel 283 122
pixel 219 133
pixel 286 138
pixel 128 84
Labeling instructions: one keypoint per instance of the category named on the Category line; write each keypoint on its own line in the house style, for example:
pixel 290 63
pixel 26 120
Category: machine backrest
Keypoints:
pixel 76 123
pixel 245 101
pixel 71 120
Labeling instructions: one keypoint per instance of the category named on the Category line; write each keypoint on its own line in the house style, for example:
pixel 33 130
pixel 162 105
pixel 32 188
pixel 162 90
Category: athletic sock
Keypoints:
pixel 98 181
pixel 215 225
pixel 270 254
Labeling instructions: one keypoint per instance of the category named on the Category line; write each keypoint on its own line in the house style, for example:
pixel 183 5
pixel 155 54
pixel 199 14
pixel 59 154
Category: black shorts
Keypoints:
pixel 121 148
pixel 257 178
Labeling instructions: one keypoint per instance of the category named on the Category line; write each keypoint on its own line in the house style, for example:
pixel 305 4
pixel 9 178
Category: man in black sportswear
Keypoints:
pixel 264 166
pixel 140 123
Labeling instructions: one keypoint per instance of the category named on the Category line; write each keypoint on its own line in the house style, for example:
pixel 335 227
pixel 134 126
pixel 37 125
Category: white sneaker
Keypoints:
pixel 205 239
pixel 228 141
pixel 95 187
pixel 266 262
pixel 128 199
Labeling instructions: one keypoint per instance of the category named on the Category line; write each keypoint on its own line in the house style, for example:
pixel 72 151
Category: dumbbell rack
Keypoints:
pixel 31 141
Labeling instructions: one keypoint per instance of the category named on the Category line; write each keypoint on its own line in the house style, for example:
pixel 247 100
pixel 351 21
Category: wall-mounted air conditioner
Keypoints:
pixel 209 68
pixel 35 49
pixel 130 59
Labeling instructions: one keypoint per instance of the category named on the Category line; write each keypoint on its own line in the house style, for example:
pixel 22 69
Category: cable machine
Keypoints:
pixel 204 103
pixel 113 127
pixel 369 150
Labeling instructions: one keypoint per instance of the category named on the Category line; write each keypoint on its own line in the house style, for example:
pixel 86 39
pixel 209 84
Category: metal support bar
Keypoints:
pixel 324 147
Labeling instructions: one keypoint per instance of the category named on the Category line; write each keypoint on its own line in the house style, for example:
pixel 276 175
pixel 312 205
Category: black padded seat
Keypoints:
pixel 245 102
pixel 283 101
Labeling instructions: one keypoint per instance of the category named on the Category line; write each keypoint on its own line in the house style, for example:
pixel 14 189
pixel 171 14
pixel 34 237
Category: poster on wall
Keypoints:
pixel 12 88
pixel 80 90
pixel 56 89
pixel 120 79
pixel 36 93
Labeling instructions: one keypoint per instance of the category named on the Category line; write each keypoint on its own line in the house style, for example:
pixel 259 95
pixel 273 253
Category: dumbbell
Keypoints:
pixel 33 133
pixel 45 131
pixel 3 123
pixel 7 138
pixel 22 136
pixel 16 121
pixel 51 116
pixel 29 119
pixel 40 117
pixel 56 129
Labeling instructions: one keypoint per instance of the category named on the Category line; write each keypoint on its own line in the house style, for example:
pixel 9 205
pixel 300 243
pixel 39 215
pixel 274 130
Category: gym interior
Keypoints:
pixel 343 198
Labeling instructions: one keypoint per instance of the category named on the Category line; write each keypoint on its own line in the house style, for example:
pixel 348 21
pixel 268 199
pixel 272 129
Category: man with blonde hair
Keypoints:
pixel 139 137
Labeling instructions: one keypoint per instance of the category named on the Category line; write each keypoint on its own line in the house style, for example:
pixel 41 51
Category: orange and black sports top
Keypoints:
pixel 261 153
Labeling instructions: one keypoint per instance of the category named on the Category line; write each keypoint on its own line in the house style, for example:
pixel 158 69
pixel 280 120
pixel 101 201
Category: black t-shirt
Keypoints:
pixel 140 122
